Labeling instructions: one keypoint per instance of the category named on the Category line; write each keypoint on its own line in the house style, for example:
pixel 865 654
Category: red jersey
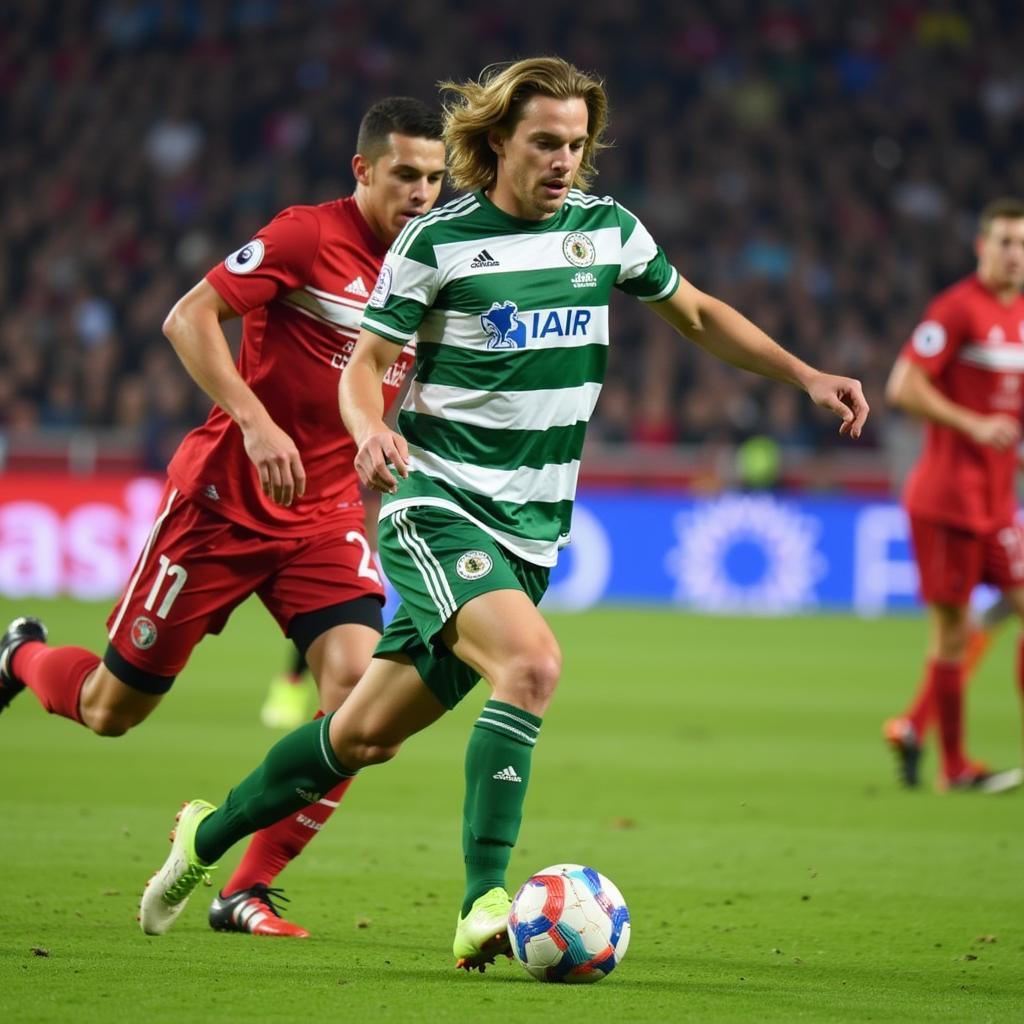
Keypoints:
pixel 972 348
pixel 300 286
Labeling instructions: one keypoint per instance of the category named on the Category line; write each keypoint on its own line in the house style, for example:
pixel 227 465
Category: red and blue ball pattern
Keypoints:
pixel 569 923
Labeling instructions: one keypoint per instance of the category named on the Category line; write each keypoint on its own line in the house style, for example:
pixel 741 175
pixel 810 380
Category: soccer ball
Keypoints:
pixel 569 923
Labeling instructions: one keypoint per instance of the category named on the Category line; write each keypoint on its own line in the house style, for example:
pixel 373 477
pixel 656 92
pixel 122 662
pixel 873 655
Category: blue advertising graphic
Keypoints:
pixel 737 553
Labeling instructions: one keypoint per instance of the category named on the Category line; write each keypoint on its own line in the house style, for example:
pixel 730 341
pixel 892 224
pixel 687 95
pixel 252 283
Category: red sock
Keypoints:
pixel 270 849
pixel 922 710
pixel 947 680
pixel 54 674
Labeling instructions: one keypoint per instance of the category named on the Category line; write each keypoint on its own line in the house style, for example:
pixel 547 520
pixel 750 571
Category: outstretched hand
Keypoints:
pixel 845 397
pixel 375 458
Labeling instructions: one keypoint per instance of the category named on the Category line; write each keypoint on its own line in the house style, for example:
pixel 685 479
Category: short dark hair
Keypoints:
pixel 401 114
pixel 1005 207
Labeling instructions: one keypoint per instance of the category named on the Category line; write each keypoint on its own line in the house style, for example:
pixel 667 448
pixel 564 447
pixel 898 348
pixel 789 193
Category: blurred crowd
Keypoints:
pixel 817 164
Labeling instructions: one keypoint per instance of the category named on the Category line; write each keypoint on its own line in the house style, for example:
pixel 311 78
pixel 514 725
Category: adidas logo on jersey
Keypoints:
pixel 507 775
pixel 357 287
pixel 484 259
pixel 584 279
pixel 211 492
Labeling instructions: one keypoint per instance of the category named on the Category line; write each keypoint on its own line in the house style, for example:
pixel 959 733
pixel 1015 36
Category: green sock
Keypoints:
pixel 497 774
pixel 297 771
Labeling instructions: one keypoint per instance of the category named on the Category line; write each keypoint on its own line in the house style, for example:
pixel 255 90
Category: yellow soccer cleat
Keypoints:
pixel 482 934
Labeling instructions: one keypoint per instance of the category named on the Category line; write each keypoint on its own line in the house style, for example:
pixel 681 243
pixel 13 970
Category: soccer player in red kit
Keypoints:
pixel 962 371
pixel 263 498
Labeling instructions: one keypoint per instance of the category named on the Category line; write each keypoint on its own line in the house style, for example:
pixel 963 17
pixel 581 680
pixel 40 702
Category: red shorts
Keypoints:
pixel 197 567
pixel 952 561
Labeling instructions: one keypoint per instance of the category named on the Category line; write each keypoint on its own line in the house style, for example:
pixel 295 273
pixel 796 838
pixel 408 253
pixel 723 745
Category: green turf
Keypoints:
pixel 727 775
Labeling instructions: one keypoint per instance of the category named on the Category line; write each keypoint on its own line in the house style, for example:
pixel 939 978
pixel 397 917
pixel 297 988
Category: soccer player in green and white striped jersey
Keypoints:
pixel 507 288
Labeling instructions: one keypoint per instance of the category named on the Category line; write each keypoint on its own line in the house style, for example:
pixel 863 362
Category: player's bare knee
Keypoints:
pixel 953 647
pixel 529 682
pixel 378 753
pixel 334 692
pixel 359 752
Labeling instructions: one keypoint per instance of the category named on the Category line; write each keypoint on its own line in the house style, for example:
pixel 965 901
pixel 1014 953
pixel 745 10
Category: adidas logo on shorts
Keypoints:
pixel 507 775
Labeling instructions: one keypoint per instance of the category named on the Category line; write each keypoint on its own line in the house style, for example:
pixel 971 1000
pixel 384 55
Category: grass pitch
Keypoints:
pixel 727 774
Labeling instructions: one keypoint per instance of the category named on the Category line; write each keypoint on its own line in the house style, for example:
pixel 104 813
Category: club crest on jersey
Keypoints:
pixel 578 249
pixel 929 338
pixel 382 289
pixel 504 328
pixel 143 633
pixel 246 259
pixel 474 564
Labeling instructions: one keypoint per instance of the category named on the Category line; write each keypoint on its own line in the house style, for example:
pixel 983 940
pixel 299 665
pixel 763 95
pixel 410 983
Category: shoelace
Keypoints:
pixel 195 874
pixel 266 895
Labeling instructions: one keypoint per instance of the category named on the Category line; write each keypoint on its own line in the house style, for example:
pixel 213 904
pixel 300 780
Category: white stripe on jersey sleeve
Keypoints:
pixel 412 280
pixel 637 253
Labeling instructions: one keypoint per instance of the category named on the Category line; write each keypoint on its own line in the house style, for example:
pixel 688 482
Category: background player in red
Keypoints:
pixel 962 371
pixel 263 498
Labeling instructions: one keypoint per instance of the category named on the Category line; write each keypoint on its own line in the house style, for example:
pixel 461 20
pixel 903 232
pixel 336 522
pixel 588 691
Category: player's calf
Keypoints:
pixel 110 707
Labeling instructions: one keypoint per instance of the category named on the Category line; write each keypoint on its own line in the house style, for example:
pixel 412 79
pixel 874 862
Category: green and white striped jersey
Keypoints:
pixel 512 318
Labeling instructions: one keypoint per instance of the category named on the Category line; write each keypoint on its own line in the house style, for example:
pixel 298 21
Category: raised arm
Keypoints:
pixel 910 389
pixel 361 398
pixel 193 328
pixel 727 334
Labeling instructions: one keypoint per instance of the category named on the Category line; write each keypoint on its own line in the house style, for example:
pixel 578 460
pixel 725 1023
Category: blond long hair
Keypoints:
pixel 495 103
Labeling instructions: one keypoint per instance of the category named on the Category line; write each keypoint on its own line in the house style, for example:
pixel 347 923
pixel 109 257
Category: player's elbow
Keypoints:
pixel 896 387
pixel 173 324
pixel 894 394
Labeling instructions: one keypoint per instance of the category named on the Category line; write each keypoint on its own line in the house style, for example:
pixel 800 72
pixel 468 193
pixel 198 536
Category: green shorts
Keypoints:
pixel 437 561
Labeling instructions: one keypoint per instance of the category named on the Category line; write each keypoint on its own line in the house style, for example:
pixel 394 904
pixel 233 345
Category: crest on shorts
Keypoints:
pixel 578 249
pixel 143 633
pixel 474 564
pixel 246 259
